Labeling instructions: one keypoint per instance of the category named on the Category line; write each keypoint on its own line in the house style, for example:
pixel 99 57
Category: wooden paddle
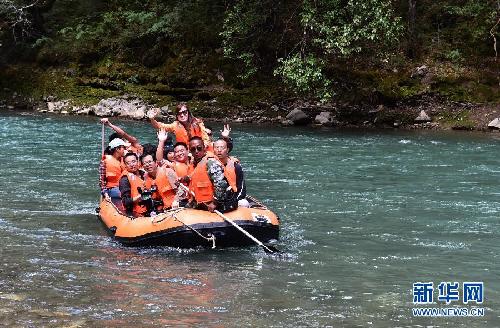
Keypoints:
pixel 267 248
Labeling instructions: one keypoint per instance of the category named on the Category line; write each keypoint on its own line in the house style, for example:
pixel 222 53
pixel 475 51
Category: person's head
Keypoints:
pixel 131 162
pixel 149 149
pixel 117 147
pixel 149 164
pixel 168 152
pixel 220 149
pixel 182 113
pixel 181 152
pixel 197 148
pixel 113 135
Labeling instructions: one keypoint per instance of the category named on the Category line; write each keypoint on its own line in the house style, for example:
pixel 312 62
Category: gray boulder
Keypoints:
pixel 495 124
pixel 323 118
pixel 57 106
pixel 298 117
pixel 422 117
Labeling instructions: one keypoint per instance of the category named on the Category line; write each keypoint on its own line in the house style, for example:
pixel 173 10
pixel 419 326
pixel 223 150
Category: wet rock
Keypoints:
pixel 117 106
pixel 286 123
pixel 57 106
pixel 323 118
pixel 422 117
pixel 495 124
pixel 298 117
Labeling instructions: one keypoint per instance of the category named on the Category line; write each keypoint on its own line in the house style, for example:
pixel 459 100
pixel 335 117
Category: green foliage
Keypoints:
pixel 462 25
pixel 306 36
pixel 127 27
pixel 305 75
pixel 454 55
pixel 344 28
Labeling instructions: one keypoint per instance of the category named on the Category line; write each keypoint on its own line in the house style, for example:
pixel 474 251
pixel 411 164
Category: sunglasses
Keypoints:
pixel 183 112
pixel 197 148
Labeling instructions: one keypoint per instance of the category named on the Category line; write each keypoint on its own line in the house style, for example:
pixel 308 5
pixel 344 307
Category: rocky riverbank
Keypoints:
pixel 423 112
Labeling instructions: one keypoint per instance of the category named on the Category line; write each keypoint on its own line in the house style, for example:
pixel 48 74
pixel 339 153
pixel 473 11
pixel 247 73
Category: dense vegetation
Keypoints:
pixel 349 50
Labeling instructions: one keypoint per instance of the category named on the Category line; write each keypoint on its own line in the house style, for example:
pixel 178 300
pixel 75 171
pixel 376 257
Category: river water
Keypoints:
pixel 365 215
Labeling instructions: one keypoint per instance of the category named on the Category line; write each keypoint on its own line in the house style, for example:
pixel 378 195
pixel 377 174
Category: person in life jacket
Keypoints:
pixel 224 134
pixel 131 181
pixel 133 146
pixel 110 171
pixel 182 168
pixel 208 184
pixel 233 171
pixel 184 127
pixel 160 182
pixel 176 168
pixel 165 150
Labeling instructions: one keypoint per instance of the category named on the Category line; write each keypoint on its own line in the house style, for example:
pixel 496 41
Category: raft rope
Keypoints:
pixel 172 214
pixel 166 215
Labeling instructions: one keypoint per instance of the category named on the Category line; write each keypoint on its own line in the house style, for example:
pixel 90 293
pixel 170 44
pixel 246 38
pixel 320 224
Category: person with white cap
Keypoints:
pixel 111 169
pixel 132 143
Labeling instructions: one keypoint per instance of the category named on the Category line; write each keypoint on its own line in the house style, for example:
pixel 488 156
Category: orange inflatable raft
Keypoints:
pixel 187 228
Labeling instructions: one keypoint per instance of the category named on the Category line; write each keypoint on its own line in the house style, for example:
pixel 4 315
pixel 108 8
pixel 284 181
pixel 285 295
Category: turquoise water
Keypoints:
pixel 365 214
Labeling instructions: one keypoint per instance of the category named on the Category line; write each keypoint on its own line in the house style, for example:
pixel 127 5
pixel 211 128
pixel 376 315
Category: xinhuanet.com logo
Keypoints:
pixel 448 293
pixel 448 312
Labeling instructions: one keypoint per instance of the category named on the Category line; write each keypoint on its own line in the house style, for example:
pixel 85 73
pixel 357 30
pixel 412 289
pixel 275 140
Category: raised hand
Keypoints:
pixel 105 121
pixel 152 113
pixel 226 131
pixel 162 135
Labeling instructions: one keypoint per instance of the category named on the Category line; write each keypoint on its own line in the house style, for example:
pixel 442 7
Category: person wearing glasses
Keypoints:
pixel 208 184
pixel 160 185
pixel 111 169
pixel 185 126
pixel 132 179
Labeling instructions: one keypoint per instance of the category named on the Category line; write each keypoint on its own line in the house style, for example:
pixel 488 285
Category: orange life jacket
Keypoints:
pixel 182 135
pixel 181 169
pixel 114 169
pixel 136 182
pixel 230 173
pixel 166 186
pixel 200 183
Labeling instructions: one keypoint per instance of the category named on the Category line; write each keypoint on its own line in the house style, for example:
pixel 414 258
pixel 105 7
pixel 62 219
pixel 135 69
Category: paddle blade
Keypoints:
pixel 270 249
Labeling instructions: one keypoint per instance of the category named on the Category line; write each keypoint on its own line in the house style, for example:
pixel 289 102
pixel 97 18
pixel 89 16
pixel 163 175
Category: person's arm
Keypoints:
pixel 158 125
pixel 162 137
pixel 133 140
pixel 204 134
pixel 241 188
pixel 225 135
pixel 216 174
pixel 126 192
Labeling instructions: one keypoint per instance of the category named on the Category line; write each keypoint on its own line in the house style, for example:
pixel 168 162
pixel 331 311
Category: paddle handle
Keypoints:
pixel 258 242
pixel 102 140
